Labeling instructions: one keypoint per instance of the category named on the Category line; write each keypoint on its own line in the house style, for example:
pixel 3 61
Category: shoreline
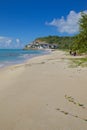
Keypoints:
pixel 23 57
pixel 43 94
pixel 25 61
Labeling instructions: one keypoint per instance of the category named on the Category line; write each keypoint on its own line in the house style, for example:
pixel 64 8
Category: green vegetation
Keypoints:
pixel 62 42
pixel 80 41
pixel 78 62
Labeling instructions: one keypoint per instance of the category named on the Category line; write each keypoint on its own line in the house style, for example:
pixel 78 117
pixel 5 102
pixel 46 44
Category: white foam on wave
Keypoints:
pixel 2 65
pixel 21 58
pixel 28 56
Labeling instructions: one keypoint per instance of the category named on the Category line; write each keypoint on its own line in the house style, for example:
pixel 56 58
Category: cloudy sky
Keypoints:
pixel 21 21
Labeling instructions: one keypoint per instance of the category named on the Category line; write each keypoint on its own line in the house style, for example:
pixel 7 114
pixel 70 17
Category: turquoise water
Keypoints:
pixel 15 56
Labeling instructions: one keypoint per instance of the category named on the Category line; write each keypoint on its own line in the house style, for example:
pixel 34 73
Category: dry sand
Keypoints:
pixel 43 94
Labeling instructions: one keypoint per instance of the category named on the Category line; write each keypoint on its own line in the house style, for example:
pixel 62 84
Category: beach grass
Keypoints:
pixel 76 62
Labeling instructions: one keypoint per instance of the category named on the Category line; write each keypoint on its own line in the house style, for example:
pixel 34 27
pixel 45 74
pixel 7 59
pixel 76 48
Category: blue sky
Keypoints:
pixel 21 21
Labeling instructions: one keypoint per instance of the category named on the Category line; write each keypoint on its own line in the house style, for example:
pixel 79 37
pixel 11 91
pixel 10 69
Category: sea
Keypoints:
pixel 17 56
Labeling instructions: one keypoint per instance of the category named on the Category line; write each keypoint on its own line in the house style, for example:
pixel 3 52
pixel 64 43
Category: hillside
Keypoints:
pixel 61 42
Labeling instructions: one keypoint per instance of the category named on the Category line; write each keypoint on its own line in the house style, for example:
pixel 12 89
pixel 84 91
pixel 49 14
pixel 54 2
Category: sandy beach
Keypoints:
pixel 43 94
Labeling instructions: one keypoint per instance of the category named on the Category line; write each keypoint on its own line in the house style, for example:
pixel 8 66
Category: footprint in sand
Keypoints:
pixel 70 99
pixel 67 113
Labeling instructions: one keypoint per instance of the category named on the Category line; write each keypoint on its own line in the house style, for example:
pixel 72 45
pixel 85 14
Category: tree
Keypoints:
pixel 80 42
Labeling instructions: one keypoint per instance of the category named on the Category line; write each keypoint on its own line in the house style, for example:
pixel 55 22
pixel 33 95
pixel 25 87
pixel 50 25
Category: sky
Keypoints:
pixel 22 21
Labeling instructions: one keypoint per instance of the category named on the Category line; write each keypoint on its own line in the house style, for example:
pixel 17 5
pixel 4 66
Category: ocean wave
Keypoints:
pixel 9 57
pixel 2 65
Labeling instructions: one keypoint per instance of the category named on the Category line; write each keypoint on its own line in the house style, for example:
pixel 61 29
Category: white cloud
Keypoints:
pixel 67 25
pixel 18 43
pixel 9 41
pixel 6 42
pixel 2 37
pixel 18 40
